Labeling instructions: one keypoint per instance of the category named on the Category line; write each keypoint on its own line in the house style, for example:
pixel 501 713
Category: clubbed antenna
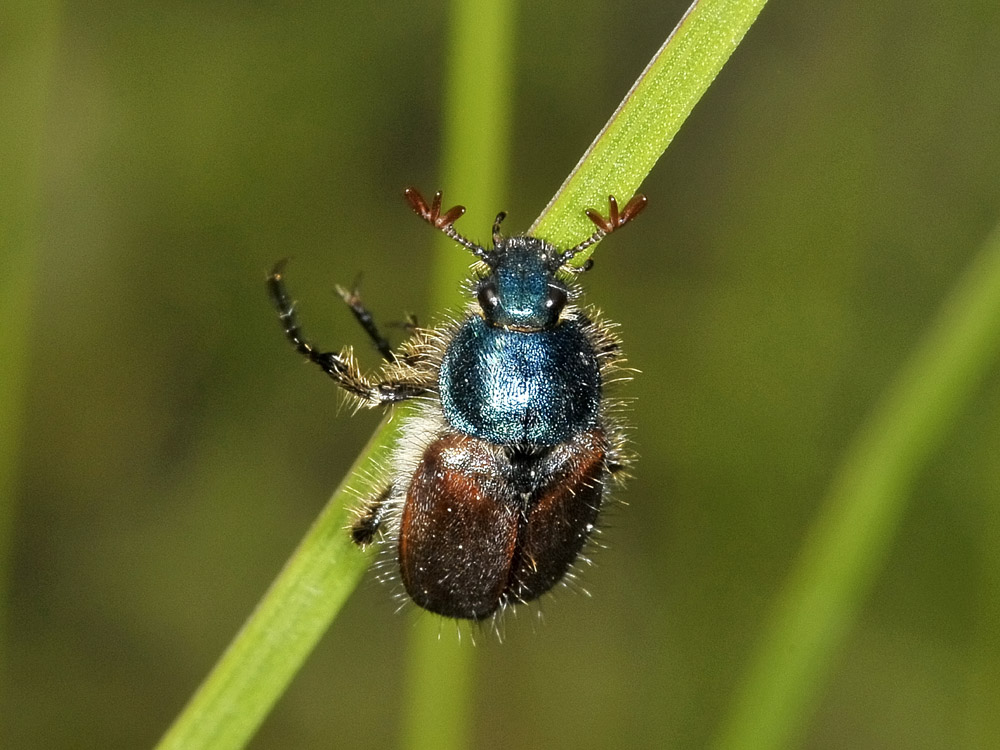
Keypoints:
pixel 616 220
pixel 443 221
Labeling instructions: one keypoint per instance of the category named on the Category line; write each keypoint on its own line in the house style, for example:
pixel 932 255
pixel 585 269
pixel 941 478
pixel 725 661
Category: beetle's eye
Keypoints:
pixel 555 300
pixel 487 296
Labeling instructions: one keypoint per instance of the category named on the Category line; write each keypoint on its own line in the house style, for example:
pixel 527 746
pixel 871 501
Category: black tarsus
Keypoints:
pixel 366 526
pixel 352 298
pixel 338 366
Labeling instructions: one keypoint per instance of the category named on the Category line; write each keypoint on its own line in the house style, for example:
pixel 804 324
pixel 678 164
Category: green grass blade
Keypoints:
pixel 257 666
pixel 648 119
pixel 28 35
pixel 848 543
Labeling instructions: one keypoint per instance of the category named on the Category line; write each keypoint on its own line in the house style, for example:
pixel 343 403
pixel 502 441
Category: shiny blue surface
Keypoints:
pixel 522 283
pixel 516 388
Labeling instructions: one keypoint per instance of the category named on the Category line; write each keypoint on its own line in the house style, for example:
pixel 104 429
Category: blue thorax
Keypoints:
pixel 519 375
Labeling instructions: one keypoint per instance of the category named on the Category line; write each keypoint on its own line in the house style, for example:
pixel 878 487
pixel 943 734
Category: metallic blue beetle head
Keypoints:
pixel 521 291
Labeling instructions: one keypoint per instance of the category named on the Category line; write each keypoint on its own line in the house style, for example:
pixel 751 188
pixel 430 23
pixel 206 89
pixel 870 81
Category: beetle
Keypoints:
pixel 496 481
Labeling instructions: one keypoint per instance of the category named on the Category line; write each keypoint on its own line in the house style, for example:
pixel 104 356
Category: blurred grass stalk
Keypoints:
pixel 848 543
pixel 28 34
pixel 260 662
pixel 475 147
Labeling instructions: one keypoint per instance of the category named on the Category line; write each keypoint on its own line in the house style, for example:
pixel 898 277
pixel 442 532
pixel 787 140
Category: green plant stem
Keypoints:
pixel 847 544
pixel 299 606
pixel 440 670
pixel 440 686
pixel 28 34
pixel 648 119
pixel 254 671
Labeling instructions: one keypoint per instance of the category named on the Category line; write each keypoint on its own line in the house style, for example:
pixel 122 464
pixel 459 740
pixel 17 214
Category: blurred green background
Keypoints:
pixel 803 230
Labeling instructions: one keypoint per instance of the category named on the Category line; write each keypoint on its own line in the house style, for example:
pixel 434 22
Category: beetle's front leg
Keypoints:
pixel 339 366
